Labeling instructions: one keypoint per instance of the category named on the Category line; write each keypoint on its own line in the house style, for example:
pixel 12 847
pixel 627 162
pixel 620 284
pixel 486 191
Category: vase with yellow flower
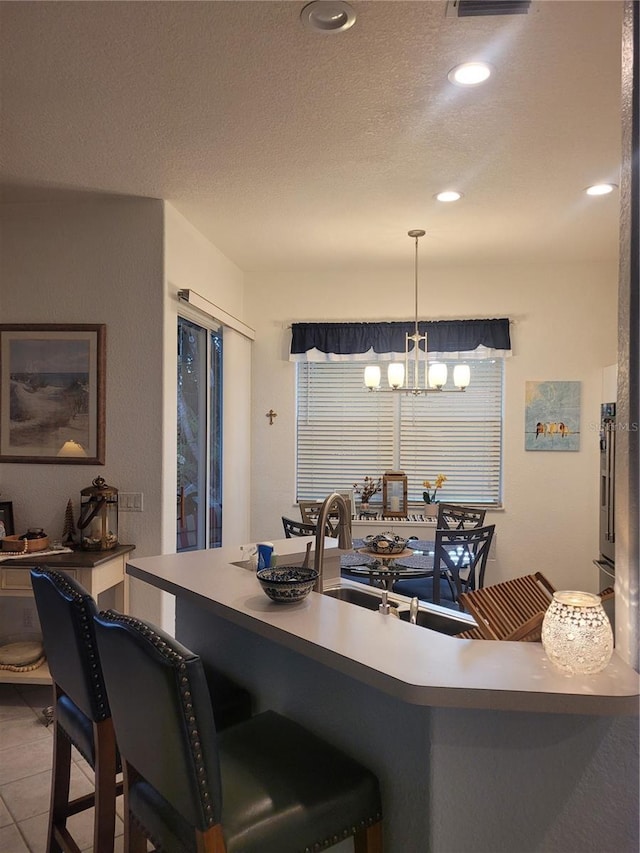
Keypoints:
pixel 430 492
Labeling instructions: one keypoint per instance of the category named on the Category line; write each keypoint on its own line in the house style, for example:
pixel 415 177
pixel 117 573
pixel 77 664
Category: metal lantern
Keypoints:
pixel 394 494
pixel 98 522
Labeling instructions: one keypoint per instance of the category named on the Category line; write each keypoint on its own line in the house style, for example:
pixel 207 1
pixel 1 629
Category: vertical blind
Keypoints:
pixel 345 433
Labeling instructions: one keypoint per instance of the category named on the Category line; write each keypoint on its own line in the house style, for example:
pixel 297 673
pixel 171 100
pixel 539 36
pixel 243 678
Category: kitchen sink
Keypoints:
pixel 360 597
pixel 429 616
pixel 444 623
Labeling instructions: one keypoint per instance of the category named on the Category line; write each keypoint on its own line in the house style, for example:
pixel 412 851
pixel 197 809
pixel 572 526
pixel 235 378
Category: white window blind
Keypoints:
pixel 345 433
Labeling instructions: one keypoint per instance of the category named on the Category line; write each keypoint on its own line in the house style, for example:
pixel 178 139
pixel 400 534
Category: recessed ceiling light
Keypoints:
pixel 470 73
pixel 600 189
pixel 449 195
pixel 328 16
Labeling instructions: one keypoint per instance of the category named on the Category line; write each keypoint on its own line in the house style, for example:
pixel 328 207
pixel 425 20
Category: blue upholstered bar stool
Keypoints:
pixel 82 717
pixel 266 785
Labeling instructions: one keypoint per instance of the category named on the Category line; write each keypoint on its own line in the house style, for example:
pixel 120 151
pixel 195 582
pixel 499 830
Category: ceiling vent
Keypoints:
pixel 479 8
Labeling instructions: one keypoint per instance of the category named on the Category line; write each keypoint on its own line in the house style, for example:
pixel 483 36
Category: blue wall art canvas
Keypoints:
pixel 552 416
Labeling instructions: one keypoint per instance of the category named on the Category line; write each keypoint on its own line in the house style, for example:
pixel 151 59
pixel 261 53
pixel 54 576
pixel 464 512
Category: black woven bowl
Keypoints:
pixel 288 583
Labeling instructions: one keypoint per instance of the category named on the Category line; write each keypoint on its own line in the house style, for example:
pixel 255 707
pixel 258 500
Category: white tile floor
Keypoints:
pixel 26 749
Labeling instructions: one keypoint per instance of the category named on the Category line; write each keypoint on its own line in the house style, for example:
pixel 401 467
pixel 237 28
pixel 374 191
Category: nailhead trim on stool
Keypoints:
pixel 178 662
pixel 102 707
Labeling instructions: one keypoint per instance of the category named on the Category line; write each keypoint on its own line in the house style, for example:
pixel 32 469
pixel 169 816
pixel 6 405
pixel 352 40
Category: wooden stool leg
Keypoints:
pixel 369 839
pixel 105 786
pixel 60 779
pixel 211 841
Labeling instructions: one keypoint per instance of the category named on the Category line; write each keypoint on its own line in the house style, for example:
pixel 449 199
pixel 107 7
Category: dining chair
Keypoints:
pixel 297 528
pixel 81 713
pixel 310 510
pixel 458 517
pixel 266 785
pixel 300 528
pixel 459 557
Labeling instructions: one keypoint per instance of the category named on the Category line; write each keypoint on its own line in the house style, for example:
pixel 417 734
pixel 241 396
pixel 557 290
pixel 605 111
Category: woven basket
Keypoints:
pixel 16 544
pixel 21 654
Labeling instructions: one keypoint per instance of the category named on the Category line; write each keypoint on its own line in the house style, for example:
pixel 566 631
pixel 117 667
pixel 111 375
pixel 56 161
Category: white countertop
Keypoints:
pixel 412 663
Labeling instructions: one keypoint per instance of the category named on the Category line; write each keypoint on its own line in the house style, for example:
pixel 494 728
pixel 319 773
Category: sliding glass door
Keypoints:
pixel 199 451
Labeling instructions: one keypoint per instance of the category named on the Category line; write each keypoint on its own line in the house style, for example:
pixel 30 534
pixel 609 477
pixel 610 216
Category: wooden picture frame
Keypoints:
pixel 6 519
pixel 52 393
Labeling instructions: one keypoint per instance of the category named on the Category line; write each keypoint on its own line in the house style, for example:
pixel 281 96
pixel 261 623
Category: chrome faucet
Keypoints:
pixel 333 502
pixel 384 607
pixel 413 611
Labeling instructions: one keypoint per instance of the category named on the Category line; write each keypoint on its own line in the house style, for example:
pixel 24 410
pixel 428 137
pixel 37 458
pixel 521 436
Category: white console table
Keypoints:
pixel 97 571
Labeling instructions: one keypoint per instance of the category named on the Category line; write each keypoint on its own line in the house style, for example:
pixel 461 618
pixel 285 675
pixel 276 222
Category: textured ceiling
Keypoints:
pixel 294 149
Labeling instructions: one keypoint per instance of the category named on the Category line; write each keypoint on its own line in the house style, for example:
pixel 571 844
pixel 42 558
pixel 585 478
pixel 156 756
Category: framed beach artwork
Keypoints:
pixel 52 394
pixel 552 416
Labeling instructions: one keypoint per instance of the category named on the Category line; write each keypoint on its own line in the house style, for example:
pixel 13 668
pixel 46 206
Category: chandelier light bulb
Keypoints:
pixel 372 376
pixel 461 375
pixel 395 374
pixel 437 375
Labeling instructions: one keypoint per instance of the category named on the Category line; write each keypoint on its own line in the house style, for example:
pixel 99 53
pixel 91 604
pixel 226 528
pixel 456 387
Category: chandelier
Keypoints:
pixel 407 377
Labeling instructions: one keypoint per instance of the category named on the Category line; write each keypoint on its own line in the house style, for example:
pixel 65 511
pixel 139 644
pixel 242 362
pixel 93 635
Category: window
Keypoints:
pixel 199 451
pixel 345 433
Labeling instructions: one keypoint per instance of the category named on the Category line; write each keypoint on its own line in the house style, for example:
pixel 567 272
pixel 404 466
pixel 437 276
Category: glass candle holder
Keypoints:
pixel 576 633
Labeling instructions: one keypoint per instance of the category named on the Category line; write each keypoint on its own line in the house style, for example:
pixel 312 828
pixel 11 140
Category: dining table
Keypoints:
pixel 415 561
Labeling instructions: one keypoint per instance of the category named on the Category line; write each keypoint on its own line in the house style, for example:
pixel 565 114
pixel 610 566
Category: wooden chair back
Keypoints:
pixel 511 610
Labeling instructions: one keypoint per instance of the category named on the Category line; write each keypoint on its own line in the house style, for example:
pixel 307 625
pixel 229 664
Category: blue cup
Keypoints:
pixel 265 550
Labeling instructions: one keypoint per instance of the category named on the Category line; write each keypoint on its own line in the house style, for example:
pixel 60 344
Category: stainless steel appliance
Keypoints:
pixel 607 482
pixel 606 560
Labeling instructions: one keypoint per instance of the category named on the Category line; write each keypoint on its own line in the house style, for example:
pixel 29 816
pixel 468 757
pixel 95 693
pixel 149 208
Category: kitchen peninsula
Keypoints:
pixel 479 746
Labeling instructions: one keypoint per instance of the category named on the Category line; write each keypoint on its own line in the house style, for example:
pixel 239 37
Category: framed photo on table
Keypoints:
pixel 6 519
pixel 52 393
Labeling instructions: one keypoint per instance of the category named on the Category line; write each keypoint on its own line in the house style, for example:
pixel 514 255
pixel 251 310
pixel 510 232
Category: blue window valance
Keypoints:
pixel 386 341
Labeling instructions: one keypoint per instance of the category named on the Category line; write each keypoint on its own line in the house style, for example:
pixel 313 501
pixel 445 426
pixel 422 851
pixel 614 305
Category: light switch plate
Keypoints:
pixel 130 501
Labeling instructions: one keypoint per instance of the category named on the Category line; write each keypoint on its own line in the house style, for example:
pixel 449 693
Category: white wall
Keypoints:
pixel 94 262
pixel 564 329
pixel 120 262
